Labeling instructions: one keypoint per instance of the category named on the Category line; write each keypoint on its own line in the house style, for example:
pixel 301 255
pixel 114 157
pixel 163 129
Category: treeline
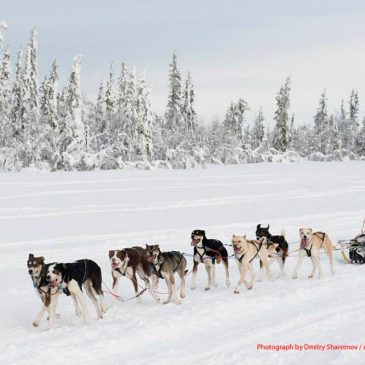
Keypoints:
pixel 45 128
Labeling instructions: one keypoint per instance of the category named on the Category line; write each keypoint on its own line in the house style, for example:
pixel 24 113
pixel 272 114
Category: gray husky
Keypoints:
pixel 163 265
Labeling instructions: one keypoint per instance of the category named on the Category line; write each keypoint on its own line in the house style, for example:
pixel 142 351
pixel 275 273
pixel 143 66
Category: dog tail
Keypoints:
pixel 282 233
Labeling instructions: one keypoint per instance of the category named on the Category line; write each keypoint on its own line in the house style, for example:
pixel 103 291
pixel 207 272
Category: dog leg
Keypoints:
pixel 252 274
pixel 330 258
pixel 281 265
pixel 314 265
pixel 173 289
pixel 318 263
pixel 115 290
pixel 182 282
pixel 242 280
pixel 76 305
pixel 52 310
pixel 40 315
pixel 225 264
pixel 299 263
pixel 193 277
pixel 74 289
pixel 212 270
pixel 169 290
pixel 154 288
pixel 265 264
pixel 90 294
pixel 135 285
pixel 207 268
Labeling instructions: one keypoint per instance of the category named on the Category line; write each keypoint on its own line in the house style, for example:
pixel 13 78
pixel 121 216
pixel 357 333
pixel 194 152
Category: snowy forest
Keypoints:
pixel 44 128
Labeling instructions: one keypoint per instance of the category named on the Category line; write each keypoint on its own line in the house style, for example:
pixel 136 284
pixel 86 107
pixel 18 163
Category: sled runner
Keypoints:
pixel 356 247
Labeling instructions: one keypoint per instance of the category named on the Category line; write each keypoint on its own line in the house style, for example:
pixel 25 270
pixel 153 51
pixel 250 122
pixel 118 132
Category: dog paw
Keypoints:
pixel 193 287
pixel 215 285
pixel 177 302
pixel 310 276
pixel 166 302
pixel 182 295
pixel 228 284
pixel 207 288
pixel 295 276
pixel 249 287
pixel 236 291
pixel 35 324
pixel 259 280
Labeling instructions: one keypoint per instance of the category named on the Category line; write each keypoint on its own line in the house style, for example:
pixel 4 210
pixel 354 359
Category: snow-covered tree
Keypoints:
pixel 233 122
pixel 280 140
pixel 188 110
pixel 143 143
pixel 5 99
pixel 321 126
pixel 258 130
pixel 174 120
pixel 48 115
pixel 72 130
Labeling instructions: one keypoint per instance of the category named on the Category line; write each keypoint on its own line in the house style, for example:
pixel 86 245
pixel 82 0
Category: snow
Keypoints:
pixel 68 216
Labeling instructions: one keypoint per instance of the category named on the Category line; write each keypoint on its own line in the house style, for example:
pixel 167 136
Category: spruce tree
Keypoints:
pixel 321 126
pixel 281 118
pixel 188 110
pixel 258 130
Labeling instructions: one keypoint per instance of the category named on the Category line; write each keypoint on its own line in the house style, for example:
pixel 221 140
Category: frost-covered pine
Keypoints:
pixel 48 116
pixel 233 122
pixel 122 86
pixel 143 144
pixel 3 26
pixel 258 130
pixel 321 127
pixel 110 98
pixel 174 120
pixel 353 125
pixel 188 110
pixel 72 130
pixel 280 139
pixel 5 99
pixel 97 121
pixel 361 140
pixel 17 120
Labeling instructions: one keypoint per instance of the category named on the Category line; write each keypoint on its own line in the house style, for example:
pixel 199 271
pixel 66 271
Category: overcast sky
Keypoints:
pixel 233 48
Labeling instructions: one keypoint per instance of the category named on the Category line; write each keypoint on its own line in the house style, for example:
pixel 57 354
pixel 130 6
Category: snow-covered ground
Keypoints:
pixel 68 216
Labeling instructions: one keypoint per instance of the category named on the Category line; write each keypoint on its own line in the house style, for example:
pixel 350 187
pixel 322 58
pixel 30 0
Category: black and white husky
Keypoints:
pixel 37 270
pixel 71 277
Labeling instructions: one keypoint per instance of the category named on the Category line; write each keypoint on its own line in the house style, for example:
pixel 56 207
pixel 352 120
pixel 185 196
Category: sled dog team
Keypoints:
pixel 50 280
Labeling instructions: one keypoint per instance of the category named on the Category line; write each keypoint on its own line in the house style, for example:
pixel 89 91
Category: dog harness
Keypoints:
pixel 309 250
pixel 158 272
pixel 244 254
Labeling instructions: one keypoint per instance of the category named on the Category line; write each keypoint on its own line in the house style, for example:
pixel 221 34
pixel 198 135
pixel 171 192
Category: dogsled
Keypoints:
pixel 355 247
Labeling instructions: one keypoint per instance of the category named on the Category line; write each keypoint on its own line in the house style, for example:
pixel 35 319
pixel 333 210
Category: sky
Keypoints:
pixel 233 48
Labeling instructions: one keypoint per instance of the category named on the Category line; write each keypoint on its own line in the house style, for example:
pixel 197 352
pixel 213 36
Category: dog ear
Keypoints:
pixel 31 256
pixel 258 226
pixel 310 230
pixel 244 236
pixel 111 253
pixel 42 259
pixel 268 227
pixel 300 231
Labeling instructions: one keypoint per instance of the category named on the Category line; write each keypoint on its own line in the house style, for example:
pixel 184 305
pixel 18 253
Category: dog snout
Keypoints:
pixel 48 277
pixel 305 236
pixel 30 272
pixel 113 260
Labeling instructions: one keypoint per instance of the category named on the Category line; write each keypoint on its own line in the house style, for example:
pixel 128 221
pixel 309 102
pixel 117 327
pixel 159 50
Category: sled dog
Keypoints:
pixel 281 250
pixel 208 252
pixel 37 270
pixel 163 265
pixel 310 245
pixel 129 262
pixel 71 277
pixel 245 252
